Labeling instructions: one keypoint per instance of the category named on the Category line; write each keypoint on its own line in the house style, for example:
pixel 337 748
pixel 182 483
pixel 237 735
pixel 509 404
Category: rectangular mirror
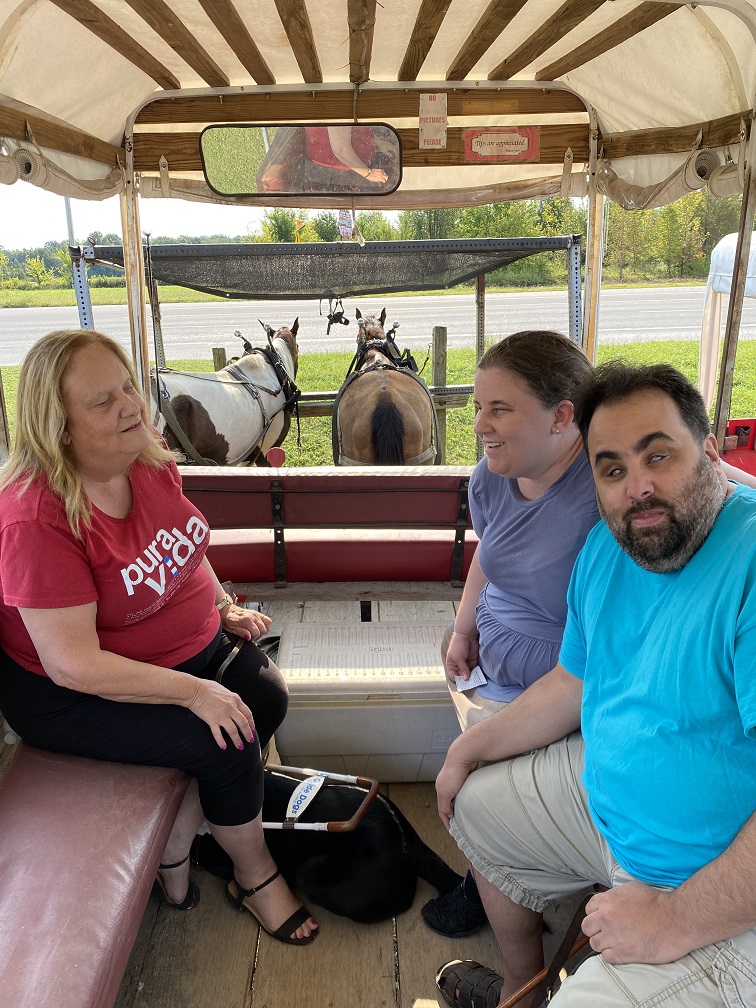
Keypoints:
pixel 249 159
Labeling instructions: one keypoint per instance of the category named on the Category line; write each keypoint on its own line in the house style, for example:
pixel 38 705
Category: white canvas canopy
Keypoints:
pixel 640 101
pixel 719 283
pixel 625 93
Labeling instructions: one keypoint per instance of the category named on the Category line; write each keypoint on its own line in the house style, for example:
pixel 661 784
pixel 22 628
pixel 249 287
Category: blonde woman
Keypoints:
pixel 113 624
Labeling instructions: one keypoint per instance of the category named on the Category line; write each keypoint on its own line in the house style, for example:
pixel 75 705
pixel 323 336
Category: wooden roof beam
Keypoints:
pixel 17 121
pixel 491 24
pixel 569 15
pixel 169 26
pixel 99 24
pixel 429 19
pixel 674 140
pixel 296 22
pixel 631 24
pixel 361 19
pixel 322 106
pixel 226 19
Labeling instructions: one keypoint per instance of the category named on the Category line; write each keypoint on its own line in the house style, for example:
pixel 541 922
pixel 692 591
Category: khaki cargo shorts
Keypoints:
pixel 524 825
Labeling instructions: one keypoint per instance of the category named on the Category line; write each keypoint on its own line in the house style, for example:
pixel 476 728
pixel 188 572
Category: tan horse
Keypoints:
pixel 383 414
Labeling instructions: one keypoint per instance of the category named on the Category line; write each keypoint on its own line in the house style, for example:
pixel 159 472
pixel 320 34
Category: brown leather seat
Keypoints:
pixel 80 842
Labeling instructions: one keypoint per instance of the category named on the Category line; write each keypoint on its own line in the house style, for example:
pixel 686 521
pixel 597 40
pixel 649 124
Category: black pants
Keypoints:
pixel 83 724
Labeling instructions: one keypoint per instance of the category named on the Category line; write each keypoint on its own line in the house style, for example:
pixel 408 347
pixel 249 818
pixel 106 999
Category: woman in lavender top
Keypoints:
pixel 533 503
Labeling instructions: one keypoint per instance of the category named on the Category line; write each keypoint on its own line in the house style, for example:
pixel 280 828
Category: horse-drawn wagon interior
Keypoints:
pixel 489 101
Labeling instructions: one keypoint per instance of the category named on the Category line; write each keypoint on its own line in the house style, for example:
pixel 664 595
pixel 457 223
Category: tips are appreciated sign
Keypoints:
pixel 502 143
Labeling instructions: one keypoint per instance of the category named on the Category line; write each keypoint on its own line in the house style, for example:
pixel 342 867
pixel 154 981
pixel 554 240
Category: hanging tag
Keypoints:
pixel 346 224
pixel 303 795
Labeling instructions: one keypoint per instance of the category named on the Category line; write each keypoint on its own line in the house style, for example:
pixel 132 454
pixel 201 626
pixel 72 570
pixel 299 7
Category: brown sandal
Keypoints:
pixel 236 896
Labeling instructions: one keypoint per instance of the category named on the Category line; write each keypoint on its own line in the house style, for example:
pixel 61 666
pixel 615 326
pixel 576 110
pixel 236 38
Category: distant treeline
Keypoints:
pixel 672 242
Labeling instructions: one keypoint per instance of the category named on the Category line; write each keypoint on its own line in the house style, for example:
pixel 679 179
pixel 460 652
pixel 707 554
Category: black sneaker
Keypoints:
pixel 455 914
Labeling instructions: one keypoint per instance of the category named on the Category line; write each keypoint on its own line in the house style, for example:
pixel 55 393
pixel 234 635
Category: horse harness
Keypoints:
pixel 402 362
pixel 286 385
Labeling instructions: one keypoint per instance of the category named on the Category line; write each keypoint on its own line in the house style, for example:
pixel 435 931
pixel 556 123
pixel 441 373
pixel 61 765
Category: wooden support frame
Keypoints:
pixel 17 120
pixel 181 150
pixel 737 293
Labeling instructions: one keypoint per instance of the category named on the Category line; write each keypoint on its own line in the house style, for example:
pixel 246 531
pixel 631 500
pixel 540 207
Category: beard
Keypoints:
pixel 668 546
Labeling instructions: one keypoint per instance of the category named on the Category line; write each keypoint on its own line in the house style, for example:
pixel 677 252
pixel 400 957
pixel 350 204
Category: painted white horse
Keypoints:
pixel 233 416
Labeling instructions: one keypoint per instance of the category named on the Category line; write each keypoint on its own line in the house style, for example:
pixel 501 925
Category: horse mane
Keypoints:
pixel 290 347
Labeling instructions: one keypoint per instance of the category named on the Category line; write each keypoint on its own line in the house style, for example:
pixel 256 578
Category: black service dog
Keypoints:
pixel 368 874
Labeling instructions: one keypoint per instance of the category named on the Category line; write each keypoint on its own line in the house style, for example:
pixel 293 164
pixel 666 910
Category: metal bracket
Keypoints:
pixel 279 545
pixel 458 553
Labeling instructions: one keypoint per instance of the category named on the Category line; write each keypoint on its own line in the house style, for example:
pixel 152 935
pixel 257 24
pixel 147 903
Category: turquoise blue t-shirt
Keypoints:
pixel 669 696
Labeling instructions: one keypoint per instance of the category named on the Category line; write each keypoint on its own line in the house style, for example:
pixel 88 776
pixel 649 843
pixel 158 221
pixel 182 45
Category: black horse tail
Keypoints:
pixel 387 434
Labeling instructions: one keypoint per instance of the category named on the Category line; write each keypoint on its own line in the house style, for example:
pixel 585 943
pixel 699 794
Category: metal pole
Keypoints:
pixel 79 280
pixel 737 292
pixel 133 261
pixel 480 336
pixel 69 220
pixel 573 290
pixel 593 263
pixel 80 284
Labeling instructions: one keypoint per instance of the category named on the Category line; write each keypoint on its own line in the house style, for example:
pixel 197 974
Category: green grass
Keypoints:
pixel 100 296
pixel 325 372
pixel 47 298
pixel 233 155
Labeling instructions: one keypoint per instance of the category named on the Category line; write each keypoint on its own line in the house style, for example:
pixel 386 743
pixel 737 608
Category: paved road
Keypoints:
pixel 190 330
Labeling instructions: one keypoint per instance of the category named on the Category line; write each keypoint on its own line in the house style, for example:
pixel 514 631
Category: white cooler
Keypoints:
pixel 367 699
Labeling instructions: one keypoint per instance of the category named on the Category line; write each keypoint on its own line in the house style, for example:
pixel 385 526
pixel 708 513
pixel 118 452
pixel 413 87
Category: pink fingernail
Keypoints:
pixel 240 746
pixel 223 747
pixel 252 737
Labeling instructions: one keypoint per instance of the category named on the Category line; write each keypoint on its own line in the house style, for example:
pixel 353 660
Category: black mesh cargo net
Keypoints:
pixel 312 270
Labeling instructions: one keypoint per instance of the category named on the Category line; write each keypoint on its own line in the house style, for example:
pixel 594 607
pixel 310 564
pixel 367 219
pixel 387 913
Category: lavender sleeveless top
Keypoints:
pixel 527 552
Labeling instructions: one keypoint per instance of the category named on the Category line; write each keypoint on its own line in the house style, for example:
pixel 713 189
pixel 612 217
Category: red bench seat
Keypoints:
pixel 80 843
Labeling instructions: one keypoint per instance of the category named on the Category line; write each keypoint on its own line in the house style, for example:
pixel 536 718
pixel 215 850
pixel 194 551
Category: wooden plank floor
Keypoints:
pixel 214 958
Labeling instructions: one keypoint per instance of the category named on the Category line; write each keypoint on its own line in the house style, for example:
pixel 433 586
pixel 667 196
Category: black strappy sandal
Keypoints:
pixel 463 983
pixel 189 901
pixel 236 896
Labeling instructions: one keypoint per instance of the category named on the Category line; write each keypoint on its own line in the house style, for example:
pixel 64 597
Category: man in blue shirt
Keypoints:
pixel 656 668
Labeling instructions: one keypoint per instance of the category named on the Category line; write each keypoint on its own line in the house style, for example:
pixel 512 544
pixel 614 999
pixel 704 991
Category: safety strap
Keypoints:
pixel 164 406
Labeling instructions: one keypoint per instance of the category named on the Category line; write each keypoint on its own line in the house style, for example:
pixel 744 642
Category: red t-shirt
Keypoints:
pixel 155 600
pixel 318 146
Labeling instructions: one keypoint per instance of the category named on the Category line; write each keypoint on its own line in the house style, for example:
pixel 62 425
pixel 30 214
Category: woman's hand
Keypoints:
pixel 247 623
pixel 376 175
pixel 462 656
pixel 219 708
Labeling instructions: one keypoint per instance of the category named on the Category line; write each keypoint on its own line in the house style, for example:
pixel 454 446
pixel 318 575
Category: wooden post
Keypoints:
pixel 219 358
pixel 737 291
pixel 4 432
pixel 439 378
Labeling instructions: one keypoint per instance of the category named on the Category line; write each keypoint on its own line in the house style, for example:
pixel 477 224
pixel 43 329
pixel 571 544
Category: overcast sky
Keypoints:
pixel 30 216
